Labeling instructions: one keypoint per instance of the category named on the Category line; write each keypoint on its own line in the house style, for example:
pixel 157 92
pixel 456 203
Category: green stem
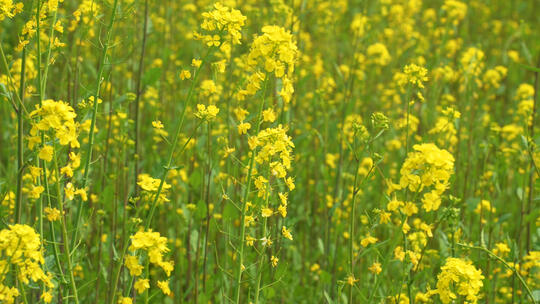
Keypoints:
pixel 261 256
pixel 43 81
pixel 136 153
pixel 244 200
pixel 408 96
pixel 20 147
pixel 64 230
pixel 93 121
pixel 351 228
pixel 23 292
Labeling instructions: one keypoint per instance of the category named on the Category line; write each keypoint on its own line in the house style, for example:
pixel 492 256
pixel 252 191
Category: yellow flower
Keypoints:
pixel 266 242
pixel 384 217
pixel 46 153
pixel 282 209
pixel 461 277
pixel 269 115
pixel 155 245
pixel 286 233
pixel 149 184
pixel 125 300
pixel 351 280
pixel 164 286
pixel 274 261
pixel 243 127
pixel 431 201
pixel 46 297
pixel 132 264
pixel 52 214
pixel 378 54
pixel 228 22
pixel 57 117
pixel 427 166
pixel 185 74
pixel 69 191
pixel 141 285
pixel 290 183
pixel 21 254
pixel 393 205
pixel 196 63
pixel 416 75
pixel 409 209
pixel 36 192
pixel 250 240
pixel 368 240
pixel 206 113
pixel 501 249
pixel 375 268
pixel 157 124
pixel 267 212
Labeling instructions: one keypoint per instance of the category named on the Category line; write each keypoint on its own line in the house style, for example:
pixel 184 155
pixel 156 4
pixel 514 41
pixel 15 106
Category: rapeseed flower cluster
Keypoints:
pixel 274 51
pixel 459 277
pixel 21 255
pixel 269 151
pixel 222 25
pixel 155 247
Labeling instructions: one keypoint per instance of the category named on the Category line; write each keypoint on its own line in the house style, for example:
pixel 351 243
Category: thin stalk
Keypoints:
pixel 207 200
pixel 64 230
pixel 351 227
pixel 261 257
pixel 147 292
pixel 23 290
pixel 244 200
pixel 136 153
pixel 43 85
pixel 93 122
pixel 38 46
pixel 51 225
pixel 20 146
pixel 532 165
pixel 407 97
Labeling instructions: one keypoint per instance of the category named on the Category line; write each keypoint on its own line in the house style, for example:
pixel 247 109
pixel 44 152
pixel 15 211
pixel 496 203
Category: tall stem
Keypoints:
pixel 261 256
pixel 207 200
pixel 244 200
pixel 351 227
pixel 67 252
pixel 136 153
pixel 93 121
pixel 20 147
pixel 532 165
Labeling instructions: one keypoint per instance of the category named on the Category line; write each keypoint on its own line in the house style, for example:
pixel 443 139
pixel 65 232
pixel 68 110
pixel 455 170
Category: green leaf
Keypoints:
pixel 328 300
pixel 200 212
pixel 528 67
pixel 195 179
pixel 269 292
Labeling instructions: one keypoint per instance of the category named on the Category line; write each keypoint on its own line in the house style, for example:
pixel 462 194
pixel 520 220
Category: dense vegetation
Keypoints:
pixel 279 151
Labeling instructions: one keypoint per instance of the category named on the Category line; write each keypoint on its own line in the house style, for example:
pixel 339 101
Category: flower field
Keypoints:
pixel 278 151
